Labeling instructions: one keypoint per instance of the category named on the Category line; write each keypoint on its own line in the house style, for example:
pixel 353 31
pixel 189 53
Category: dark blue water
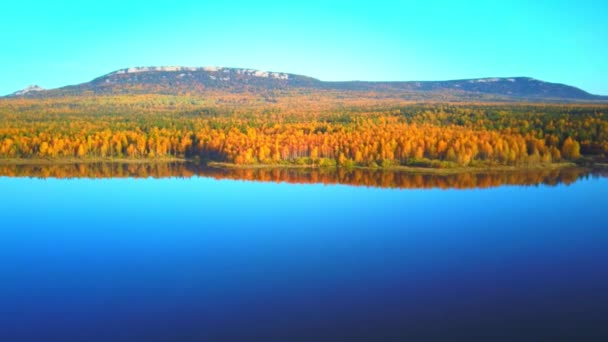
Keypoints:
pixel 205 259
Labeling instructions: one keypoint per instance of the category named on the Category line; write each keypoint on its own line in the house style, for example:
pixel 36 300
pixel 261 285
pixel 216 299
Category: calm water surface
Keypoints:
pixel 201 258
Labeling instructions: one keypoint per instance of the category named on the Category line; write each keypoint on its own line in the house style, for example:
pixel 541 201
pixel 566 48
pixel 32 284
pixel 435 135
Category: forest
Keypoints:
pixel 301 130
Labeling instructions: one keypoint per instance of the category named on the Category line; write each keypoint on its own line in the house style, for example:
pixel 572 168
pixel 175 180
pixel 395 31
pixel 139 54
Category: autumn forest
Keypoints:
pixel 335 130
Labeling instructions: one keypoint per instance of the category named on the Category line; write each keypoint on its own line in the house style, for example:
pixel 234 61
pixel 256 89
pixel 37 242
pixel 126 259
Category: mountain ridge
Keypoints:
pixel 177 80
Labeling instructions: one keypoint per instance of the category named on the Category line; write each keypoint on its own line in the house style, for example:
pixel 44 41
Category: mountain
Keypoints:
pixel 193 80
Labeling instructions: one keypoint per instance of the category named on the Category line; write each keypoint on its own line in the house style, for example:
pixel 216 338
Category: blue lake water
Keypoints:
pixel 200 258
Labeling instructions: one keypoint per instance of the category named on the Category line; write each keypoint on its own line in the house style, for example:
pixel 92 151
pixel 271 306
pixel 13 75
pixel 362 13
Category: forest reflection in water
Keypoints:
pixel 356 177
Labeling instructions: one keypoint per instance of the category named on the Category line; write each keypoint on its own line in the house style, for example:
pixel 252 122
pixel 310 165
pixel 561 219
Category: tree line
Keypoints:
pixel 435 135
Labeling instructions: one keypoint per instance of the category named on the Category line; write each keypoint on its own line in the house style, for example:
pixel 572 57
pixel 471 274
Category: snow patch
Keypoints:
pixel 246 72
pixel 163 69
pixel 279 75
pixel 263 74
pixel 212 68
pixel 30 89
pixel 258 73
pixel 486 80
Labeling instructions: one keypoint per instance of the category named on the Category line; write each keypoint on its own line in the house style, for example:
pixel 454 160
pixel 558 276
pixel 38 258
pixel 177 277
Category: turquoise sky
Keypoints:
pixel 56 43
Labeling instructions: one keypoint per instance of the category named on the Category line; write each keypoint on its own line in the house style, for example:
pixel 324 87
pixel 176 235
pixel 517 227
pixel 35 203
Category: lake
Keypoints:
pixel 179 253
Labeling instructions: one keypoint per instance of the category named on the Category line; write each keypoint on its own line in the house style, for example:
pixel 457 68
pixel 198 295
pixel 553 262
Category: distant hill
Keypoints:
pixel 189 80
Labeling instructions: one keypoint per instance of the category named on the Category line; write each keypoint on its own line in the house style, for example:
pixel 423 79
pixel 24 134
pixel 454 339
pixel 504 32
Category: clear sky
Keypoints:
pixel 56 43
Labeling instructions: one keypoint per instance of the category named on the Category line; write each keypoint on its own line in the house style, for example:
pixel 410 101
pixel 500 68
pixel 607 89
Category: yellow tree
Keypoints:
pixel 571 149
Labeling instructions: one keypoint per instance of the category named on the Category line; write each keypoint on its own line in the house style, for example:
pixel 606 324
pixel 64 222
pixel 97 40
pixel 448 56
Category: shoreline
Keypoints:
pixel 404 168
pixel 68 161
pixel 232 166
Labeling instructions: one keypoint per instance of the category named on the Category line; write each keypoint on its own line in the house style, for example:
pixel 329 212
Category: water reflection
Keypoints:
pixel 368 178
pixel 196 259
